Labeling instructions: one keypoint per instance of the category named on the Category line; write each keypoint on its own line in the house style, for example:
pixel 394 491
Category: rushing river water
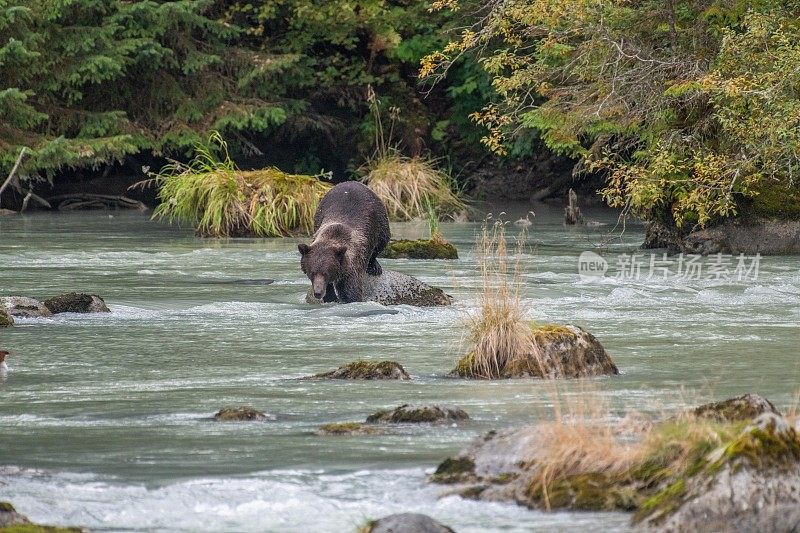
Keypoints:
pixel 104 419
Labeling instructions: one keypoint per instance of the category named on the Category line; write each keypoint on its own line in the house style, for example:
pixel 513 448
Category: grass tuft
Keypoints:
pixel 499 335
pixel 220 200
pixel 412 187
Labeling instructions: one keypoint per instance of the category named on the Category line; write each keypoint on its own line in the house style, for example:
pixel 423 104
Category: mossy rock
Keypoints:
pixel 454 470
pixel 366 370
pixel 6 320
pixel 565 352
pixel 587 492
pixel 407 414
pixel 241 414
pixel 741 408
pixel 419 249
pixel 13 522
pixel 761 464
pixel 349 428
pixel 74 302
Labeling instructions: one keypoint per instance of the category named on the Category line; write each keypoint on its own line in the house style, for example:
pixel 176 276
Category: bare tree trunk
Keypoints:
pixel 13 171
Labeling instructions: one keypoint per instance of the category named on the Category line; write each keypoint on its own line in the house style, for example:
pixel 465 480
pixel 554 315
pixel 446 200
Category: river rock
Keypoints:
pixel 745 407
pixel 241 414
pixel 565 352
pixel 753 480
pixel 420 249
pixel 17 523
pixel 7 212
pixel 418 414
pixel 23 307
pixel 406 523
pixel 748 236
pixel 366 370
pixel 6 320
pixel 74 302
pixel 394 288
pixel 9 516
pixel 349 428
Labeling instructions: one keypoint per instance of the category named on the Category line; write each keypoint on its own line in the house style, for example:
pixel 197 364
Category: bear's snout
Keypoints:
pixel 319 287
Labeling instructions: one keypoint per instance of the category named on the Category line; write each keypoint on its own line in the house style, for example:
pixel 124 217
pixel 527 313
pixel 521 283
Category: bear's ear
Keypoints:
pixel 340 251
pixel 303 248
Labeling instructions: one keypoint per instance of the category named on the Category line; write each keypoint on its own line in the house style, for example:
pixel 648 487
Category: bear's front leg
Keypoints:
pixel 350 290
pixel 373 267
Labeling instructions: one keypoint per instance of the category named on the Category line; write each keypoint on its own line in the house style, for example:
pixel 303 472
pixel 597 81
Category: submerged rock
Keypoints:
pixel 564 352
pixel 420 249
pixel 6 320
pixel 394 288
pixel 241 414
pixel 406 523
pixel 418 414
pixel 745 407
pixel 13 522
pixel 23 307
pixel 753 480
pixel 348 428
pixel 366 370
pixel 74 302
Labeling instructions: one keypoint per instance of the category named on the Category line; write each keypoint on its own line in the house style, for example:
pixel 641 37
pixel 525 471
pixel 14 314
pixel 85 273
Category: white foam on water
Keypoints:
pixel 276 501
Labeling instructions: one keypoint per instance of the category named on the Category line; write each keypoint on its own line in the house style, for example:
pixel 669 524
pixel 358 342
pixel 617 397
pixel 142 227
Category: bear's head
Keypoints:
pixel 324 263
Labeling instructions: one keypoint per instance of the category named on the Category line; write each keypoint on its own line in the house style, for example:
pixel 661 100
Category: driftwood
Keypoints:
pixel 36 198
pixel 13 171
pixel 71 202
pixel 572 213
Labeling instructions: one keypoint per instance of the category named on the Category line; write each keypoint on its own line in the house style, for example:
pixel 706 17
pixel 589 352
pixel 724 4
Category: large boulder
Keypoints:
pixel 748 236
pixel 23 307
pixel 752 480
pixel 394 288
pixel 418 414
pixel 563 352
pixel 366 370
pixel 74 302
pixel 690 473
pixel 406 523
pixel 9 516
pixel 6 320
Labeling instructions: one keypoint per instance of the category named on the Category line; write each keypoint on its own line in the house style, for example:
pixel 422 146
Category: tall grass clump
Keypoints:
pixel 499 335
pixel 407 185
pixel 220 200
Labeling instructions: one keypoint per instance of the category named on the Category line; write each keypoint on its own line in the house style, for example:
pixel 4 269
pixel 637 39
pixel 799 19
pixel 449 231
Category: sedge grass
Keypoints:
pixel 409 185
pixel 499 334
pixel 220 200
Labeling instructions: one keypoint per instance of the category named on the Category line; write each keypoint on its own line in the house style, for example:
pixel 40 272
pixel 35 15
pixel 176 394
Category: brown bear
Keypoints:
pixel 351 227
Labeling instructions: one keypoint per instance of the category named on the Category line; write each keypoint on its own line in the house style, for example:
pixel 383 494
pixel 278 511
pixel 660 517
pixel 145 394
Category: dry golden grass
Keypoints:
pixel 499 335
pixel 409 186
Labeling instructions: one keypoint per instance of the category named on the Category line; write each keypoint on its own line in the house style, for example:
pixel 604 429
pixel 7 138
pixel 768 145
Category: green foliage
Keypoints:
pixel 219 200
pixel 87 82
pixel 688 106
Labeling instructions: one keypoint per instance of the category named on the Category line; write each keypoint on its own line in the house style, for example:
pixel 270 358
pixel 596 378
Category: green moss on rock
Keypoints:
pixel 454 470
pixel 366 370
pixel 418 414
pixel 745 407
pixel 5 319
pixel 420 249
pixel 74 302
pixel 776 202
pixel 348 428
pixel 240 414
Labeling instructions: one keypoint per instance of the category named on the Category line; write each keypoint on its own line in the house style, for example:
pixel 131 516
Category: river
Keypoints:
pixel 105 419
